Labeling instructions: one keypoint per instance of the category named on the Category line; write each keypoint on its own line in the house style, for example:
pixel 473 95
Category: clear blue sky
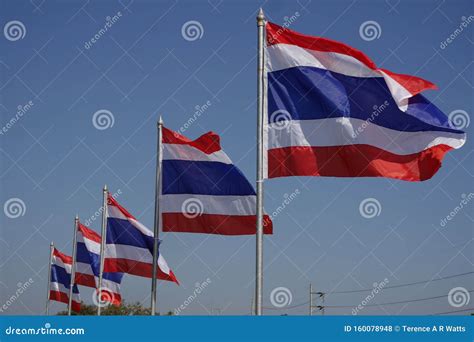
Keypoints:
pixel 56 161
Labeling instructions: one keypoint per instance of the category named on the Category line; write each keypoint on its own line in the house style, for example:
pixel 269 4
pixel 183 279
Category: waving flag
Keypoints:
pixel 88 263
pixel 330 111
pixel 202 191
pixel 61 266
pixel 129 245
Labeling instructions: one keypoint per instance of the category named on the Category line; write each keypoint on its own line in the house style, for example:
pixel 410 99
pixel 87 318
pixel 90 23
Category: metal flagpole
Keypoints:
pixel 157 216
pixel 311 299
pixel 102 248
pixel 51 250
pixel 73 266
pixel 259 249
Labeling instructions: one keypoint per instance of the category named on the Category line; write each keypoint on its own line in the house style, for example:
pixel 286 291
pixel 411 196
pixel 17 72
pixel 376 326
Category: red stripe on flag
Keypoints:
pixel 354 161
pixel 280 35
pixel 65 258
pixel 214 224
pixel 89 233
pixel 84 279
pixel 64 298
pixel 207 143
pixel 111 201
pixel 137 268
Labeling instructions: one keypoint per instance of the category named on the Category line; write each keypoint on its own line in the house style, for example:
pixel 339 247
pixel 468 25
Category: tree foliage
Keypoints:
pixel 125 309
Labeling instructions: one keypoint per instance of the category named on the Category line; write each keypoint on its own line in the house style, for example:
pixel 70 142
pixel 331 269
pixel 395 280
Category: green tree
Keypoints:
pixel 125 309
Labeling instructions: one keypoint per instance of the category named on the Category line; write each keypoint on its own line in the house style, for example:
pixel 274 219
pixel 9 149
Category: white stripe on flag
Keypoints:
pixel 128 252
pixel 186 152
pixel 219 205
pixel 349 131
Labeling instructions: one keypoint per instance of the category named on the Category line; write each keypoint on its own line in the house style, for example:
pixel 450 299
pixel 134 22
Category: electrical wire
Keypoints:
pixel 381 304
pixel 402 285
pixel 450 312
pixel 392 303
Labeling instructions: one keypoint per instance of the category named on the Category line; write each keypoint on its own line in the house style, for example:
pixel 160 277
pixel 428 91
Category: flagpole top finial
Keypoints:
pixel 51 244
pixel 160 121
pixel 260 17
pixel 105 187
pixel 77 217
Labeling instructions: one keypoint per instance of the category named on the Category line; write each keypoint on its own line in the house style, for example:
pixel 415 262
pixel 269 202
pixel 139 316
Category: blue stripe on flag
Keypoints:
pixel 308 93
pixel 204 178
pixel 122 232
pixel 59 275
pixel 83 255
pixel 115 277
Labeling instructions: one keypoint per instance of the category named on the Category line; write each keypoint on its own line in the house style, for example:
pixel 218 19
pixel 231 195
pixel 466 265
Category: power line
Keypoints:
pixel 367 305
pixel 450 312
pixel 403 285
pixel 367 290
pixel 286 307
pixel 392 303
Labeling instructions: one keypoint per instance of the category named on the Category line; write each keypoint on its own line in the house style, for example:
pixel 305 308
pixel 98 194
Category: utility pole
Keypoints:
pixel 313 305
pixel 252 307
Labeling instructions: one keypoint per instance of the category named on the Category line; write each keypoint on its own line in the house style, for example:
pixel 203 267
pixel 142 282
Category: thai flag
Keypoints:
pixel 202 191
pixel 330 111
pixel 129 245
pixel 88 264
pixel 61 266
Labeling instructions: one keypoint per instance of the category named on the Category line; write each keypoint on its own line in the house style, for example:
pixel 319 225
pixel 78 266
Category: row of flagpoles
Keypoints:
pixel 320 133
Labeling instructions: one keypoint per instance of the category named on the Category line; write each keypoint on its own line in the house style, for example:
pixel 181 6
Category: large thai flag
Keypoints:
pixel 88 264
pixel 330 111
pixel 61 266
pixel 202 191
pixel 129 245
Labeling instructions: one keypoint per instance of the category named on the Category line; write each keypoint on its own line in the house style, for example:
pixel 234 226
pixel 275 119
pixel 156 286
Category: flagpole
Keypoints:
pixel 102 248
pixel 157 216
pixel 51 250
pixel 259 239
pixel 73 265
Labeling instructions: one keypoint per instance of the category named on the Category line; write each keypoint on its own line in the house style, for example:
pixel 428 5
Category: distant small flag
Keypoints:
pixel 330 111
pixel 129 245
pixel 61 266
pixel 88 264
pixel 203 191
